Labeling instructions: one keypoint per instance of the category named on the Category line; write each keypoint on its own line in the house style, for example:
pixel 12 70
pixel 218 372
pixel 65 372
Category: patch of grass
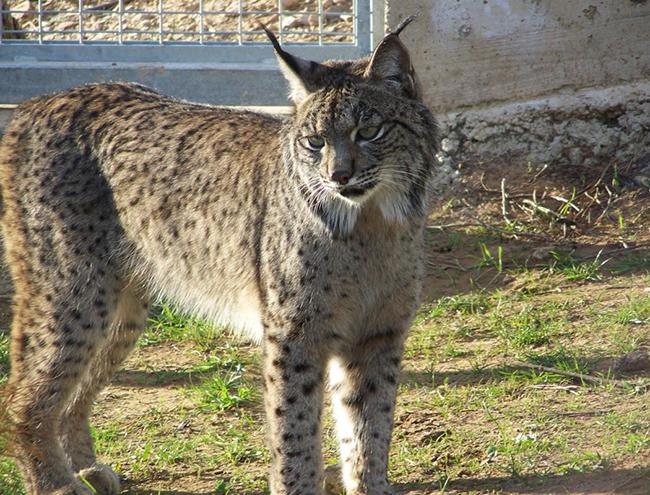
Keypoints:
pixel 109 439
pixel 516 453
pixel 636 311
pixel 165 451
pixel 145 449
pixel 243 483
pixel 624 341
pixel 472 303
pixel 169 325
pixel 451 349
pixel 636 442
pixel 222 392
pixel 10 481
pixel 226 388
pixel 576 271
pixel 630 432
pixel 560 359
pixel 236 446
pixel 530 326
pixel 4 358
pixel 582 462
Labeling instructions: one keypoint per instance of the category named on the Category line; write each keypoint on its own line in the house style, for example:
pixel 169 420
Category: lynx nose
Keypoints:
pixel 341 176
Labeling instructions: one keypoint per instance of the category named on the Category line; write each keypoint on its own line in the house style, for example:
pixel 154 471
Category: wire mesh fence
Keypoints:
pixel 203 22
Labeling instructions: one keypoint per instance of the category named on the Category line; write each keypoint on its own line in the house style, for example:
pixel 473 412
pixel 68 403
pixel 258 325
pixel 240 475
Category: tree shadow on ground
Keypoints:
pixel 635 481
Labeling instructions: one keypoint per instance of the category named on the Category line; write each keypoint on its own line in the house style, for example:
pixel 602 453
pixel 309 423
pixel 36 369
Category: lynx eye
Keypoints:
pixel 315 142
pixel 370 133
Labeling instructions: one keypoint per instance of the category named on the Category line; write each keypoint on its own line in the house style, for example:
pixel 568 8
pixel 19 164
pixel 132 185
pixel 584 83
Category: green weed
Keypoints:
pixel 168 325
pixel 560 359
pixel 225 388
pixel 4 357
pixel 473 303
pixel 635 311
pixel 236 447
pixel 635 443
pixel 491 260
pixel 582 462
pixel 222 487
pixel 575 270
pixel 531 326
pixel 10 481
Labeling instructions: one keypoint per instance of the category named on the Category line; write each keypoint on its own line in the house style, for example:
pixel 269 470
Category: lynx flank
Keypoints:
pixel 305 234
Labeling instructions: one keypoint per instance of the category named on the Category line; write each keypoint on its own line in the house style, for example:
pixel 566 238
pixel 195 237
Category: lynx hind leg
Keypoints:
pixel 60 320
pixel 127 325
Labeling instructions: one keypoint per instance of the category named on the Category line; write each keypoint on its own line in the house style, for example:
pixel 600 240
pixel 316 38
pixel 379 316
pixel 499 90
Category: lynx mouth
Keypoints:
pixel 351 192
pixel 357 190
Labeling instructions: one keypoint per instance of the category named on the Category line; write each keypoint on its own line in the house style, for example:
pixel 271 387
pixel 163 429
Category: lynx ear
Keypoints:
pixel 391 64
pixel 302 75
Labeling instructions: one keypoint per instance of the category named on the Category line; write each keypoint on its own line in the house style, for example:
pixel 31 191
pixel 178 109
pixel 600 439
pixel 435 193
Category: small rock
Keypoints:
pixel 291 4
pixel 542 252
pixel 294 21
pixel 637 360
pixel 449 145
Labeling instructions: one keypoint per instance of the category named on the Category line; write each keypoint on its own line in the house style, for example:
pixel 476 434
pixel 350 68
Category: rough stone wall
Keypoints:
pixel 594 127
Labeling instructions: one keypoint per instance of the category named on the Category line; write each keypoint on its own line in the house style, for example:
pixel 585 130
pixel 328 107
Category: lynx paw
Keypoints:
pixel 103 479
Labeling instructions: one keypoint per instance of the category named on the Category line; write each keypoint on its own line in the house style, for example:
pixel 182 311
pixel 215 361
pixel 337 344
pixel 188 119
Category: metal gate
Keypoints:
pixel 203 50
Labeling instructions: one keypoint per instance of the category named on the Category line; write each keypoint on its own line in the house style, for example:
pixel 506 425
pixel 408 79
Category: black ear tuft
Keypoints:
pixel 302 75
pixel 390 63
pixel 403 24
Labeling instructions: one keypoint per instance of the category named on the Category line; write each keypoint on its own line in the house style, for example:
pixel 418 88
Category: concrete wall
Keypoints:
pixel 477 52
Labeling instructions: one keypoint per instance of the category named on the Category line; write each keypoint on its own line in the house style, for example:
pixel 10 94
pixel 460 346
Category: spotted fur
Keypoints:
pixel 115 195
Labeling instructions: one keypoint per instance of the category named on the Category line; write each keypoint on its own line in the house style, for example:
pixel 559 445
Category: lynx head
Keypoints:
pixel 359 134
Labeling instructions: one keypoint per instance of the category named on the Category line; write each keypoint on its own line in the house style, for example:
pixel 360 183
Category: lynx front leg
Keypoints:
pixel 364 385
pixel 293 377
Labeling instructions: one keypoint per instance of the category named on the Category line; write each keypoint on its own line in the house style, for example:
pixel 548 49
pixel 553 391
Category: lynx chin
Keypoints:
pixel 304 233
